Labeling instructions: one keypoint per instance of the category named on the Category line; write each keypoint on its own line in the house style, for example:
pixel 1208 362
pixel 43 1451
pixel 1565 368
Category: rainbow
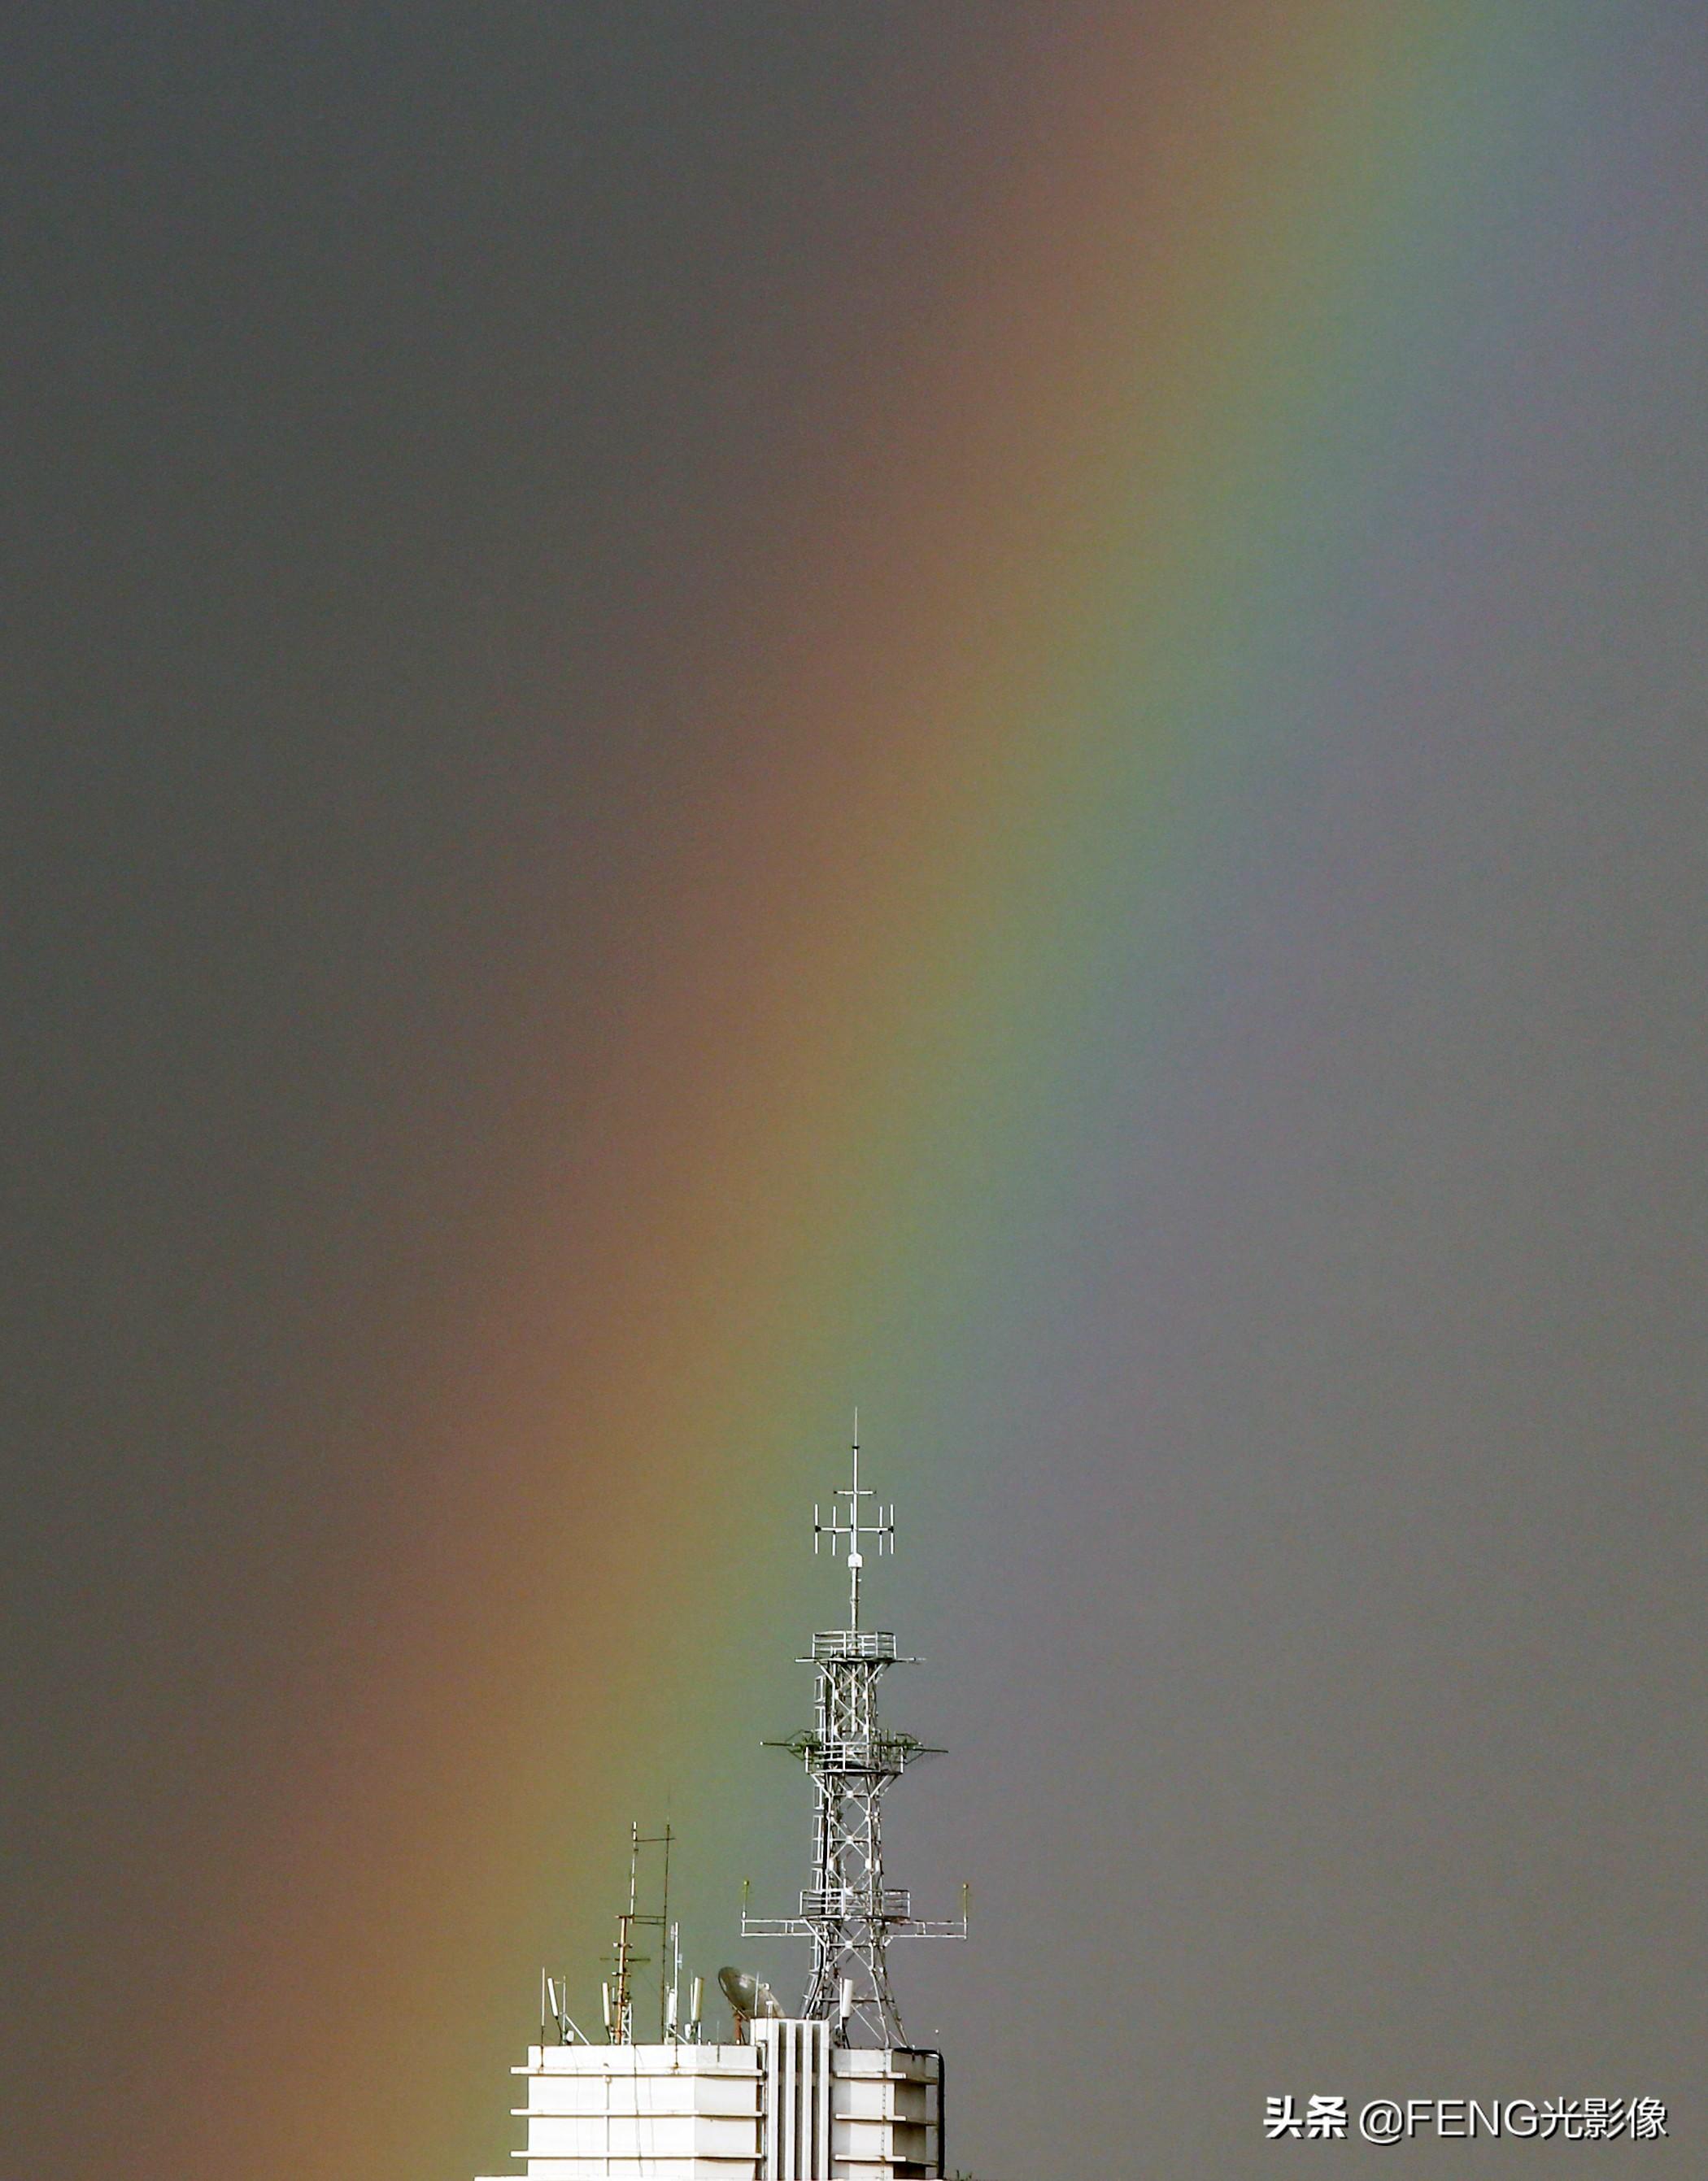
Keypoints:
pixel 1005 689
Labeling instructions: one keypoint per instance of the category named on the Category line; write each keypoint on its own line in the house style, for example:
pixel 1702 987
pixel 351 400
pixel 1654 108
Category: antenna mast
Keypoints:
pixel 882 1529
pixel 848 1911
pixel 619 2000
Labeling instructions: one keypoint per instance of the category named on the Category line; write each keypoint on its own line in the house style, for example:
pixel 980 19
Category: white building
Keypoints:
pixel 789 2107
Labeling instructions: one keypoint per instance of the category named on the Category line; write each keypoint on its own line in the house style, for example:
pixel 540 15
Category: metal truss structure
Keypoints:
pixel 848 1911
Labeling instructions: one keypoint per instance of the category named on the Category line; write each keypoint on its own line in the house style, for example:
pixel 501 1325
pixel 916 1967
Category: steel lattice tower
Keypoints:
pixel 848 1911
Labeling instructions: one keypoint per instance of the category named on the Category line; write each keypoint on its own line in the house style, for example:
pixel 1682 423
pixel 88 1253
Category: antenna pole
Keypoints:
pixel 854 1550
pixel 620 2008
pixel 853 1532
pixel 622 2034
pixel 664 1925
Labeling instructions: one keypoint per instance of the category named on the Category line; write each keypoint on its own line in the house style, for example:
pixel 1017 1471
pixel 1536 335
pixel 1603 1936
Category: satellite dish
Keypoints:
pixel 748 1995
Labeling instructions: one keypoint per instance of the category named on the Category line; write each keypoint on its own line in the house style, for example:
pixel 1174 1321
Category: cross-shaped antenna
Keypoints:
pixel 881 1532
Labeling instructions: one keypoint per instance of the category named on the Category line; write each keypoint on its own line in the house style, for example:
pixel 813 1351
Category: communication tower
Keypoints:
pixel 848 1911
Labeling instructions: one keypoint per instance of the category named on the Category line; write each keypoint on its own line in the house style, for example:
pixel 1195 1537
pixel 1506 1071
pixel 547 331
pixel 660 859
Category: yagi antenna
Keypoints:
pixel 881 1530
